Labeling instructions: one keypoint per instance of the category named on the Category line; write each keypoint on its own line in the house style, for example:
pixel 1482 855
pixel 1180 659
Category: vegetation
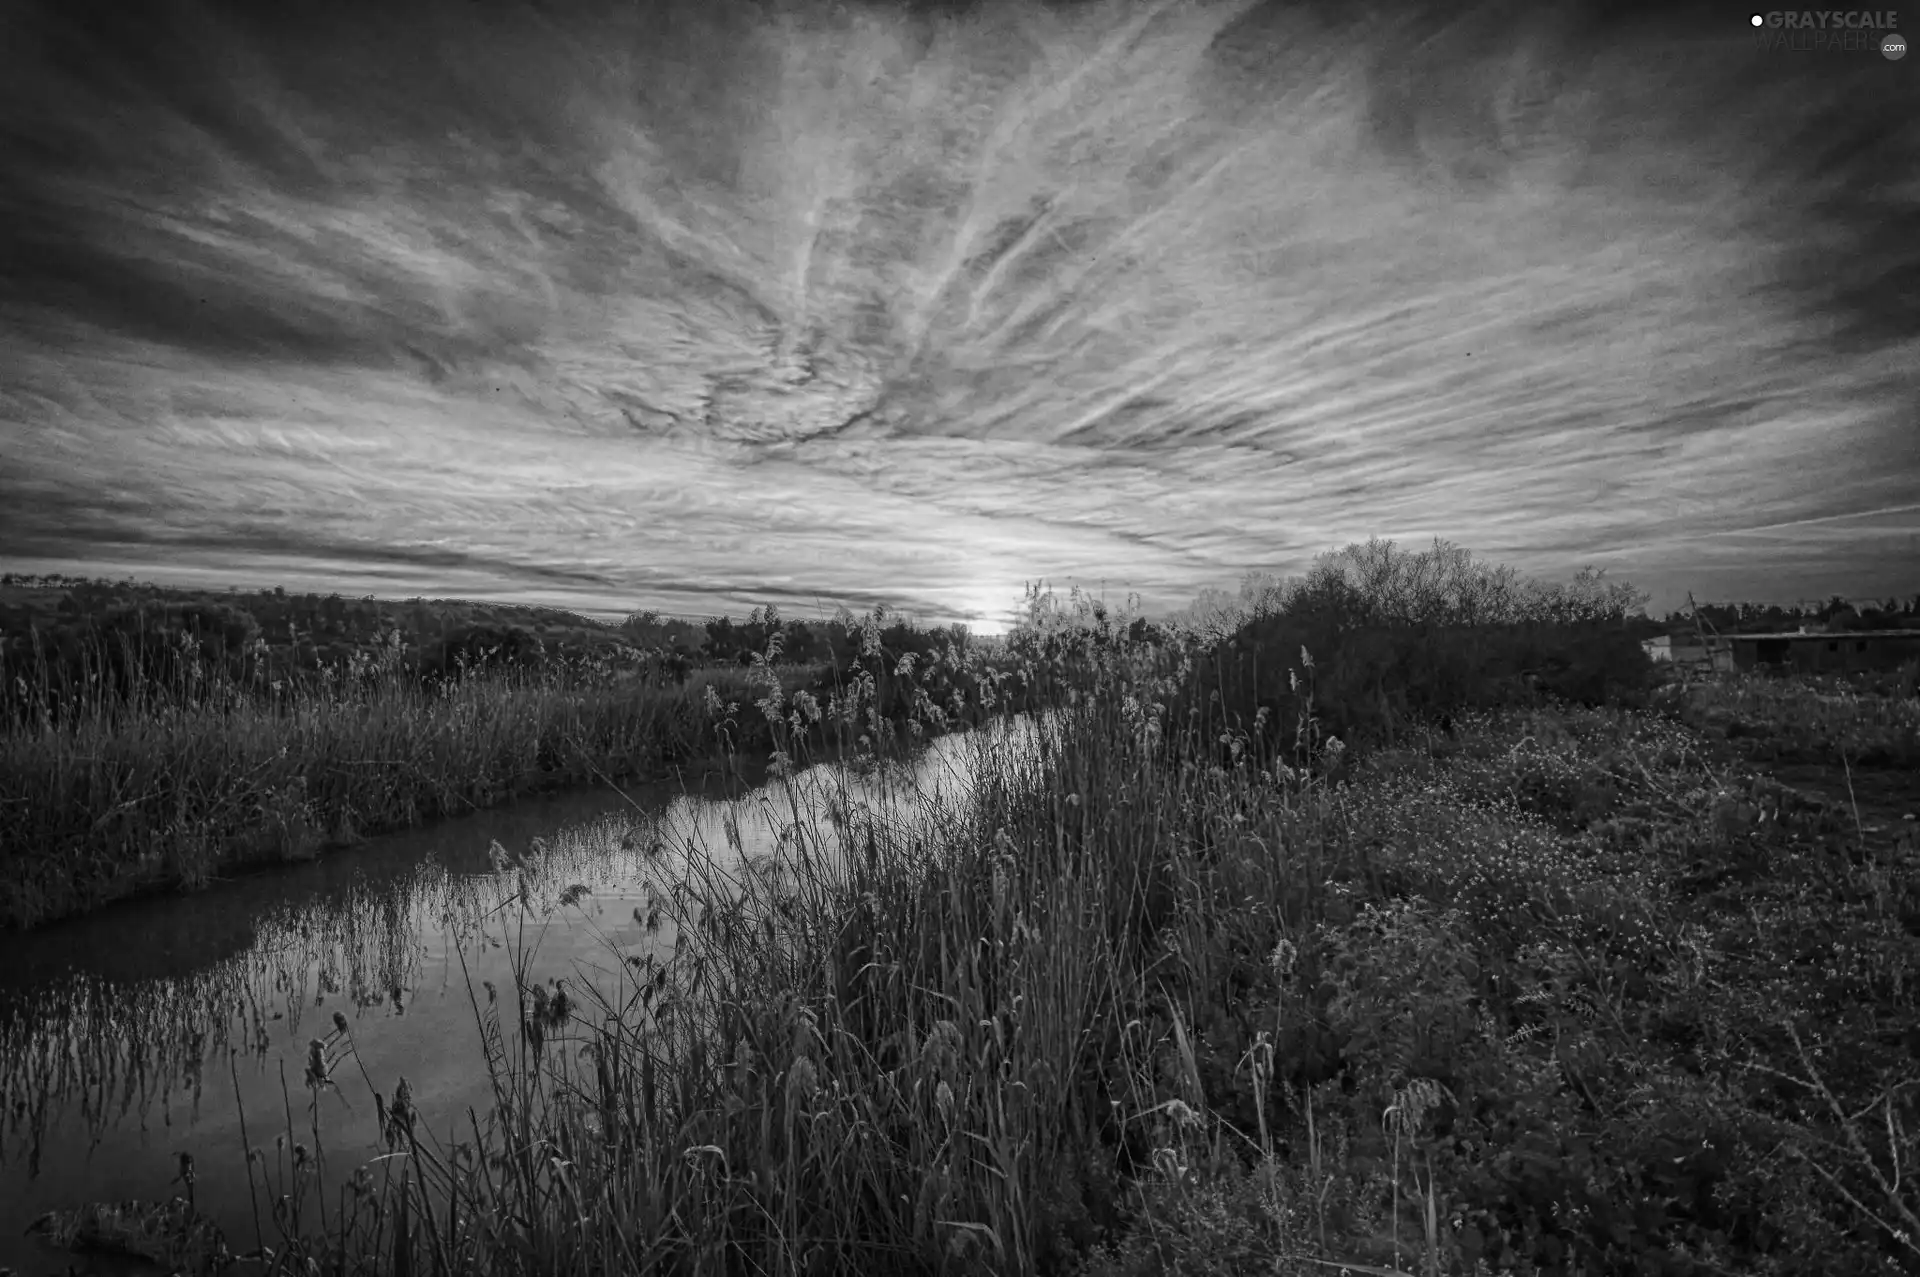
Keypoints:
pixel 148 784
pixel 155 740
pixel 57 632
pixel 1525 975
pixel 1836 613
pixel 1871 720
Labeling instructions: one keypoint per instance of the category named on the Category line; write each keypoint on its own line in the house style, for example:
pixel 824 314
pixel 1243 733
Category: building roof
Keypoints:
pixel 1808 635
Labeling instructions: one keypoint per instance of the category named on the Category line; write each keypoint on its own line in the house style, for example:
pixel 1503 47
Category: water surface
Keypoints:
pixel 154 1028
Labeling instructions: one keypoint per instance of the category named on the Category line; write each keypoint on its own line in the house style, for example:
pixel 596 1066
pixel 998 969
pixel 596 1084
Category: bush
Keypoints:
pixel 477 648
pixel 1374 686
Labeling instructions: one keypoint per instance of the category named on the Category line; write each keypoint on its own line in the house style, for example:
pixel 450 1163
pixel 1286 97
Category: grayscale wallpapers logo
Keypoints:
pixel 1831 31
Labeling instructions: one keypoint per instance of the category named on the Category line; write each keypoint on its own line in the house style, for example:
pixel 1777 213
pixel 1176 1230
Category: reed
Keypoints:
pixel 159 783
pixel 878 1050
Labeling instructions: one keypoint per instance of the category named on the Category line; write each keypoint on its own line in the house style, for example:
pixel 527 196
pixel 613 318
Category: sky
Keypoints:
pixel 696 307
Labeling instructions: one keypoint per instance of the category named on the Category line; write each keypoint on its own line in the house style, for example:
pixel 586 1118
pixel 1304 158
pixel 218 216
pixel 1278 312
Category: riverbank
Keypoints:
pixel 117 780
pixel 102 807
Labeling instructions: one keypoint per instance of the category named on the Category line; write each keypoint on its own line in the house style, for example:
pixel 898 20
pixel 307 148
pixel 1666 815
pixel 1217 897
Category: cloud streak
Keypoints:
pixel 699 306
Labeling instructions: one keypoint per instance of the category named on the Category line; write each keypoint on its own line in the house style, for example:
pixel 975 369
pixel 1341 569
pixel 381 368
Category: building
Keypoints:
pixel 1831 652
pixel 1694 651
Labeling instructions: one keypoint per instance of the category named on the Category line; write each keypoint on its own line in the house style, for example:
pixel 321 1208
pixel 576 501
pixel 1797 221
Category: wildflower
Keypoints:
pixel 340 1023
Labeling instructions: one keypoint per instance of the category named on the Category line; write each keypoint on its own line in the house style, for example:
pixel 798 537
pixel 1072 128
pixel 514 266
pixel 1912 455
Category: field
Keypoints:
pixel 1541 986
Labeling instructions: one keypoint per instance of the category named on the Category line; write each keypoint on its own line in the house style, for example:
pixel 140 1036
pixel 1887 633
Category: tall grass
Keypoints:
pixel 1124 1009
pixel 146 760
pixel 147 780
pixel 910 1043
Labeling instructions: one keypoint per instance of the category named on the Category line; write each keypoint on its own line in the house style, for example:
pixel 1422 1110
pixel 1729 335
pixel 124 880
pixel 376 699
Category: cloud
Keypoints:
pixel 670 303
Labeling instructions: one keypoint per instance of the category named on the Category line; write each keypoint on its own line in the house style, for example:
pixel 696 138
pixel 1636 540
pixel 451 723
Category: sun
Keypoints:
pixel 987 612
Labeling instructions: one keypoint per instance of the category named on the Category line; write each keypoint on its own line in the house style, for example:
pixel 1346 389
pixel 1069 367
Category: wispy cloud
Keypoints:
pixel 698 306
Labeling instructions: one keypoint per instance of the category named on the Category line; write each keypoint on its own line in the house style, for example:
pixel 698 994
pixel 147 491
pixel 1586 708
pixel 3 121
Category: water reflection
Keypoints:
pixel 157 1028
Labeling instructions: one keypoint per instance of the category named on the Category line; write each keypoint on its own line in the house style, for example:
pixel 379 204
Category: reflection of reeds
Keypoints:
pixel 112 1052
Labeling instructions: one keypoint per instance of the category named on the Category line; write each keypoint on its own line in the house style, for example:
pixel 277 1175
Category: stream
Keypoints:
pixel 153 1028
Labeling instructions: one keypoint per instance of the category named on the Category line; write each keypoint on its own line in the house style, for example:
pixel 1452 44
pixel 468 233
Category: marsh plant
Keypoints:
pixel 1182 982
pixel 151 776
pixel 1126 1008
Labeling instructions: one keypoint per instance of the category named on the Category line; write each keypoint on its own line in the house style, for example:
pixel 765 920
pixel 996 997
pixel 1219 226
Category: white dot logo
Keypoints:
pixel 1758 20
pixel 1895 47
